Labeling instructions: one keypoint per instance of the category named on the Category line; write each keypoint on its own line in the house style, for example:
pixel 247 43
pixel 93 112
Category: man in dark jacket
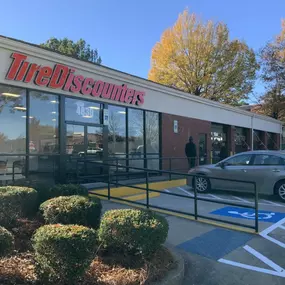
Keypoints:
pixel 190 151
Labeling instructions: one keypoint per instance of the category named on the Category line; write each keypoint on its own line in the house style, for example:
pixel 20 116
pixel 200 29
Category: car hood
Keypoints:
pixel 207 166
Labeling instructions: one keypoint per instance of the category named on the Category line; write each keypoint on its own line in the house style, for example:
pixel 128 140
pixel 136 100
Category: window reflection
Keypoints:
pixel 44 123
pixel 241 144
pixel 13 120
pixel 82 111
pixel 136 137
pixel 117 133
pixel 152 139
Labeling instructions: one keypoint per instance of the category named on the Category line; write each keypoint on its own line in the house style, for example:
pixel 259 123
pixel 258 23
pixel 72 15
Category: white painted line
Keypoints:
pixel 242 200
pixel 282 227
pixel 264 259
pixel 188 193
pixel 254 268
pixel 272 203
pixel 215 197
pixel 166 190
pixel 272 227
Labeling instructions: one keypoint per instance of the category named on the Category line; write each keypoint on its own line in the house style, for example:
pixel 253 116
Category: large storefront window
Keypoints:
pixel 12 133
pixel 136 138
pixel 82 111
pixel 219 142
pixel 12 120
pixel 152 139
pixel 117 133
pixel 241 144
pixel 271 141
pixel 44 123
pixel 257 140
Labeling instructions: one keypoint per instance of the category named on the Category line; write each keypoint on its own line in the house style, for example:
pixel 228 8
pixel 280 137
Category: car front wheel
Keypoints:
pixel 280 190
pixel 202 184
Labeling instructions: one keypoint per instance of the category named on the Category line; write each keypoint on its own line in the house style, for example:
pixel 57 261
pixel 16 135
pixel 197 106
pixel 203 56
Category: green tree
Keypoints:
pixel 77 49
pixel 201 59
pixel 272 60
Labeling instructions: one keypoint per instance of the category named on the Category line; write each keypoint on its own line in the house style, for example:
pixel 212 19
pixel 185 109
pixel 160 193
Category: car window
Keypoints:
pixel 265 159
pixel 239 160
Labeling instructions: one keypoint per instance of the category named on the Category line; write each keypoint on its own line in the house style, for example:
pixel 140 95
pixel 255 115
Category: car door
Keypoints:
pixel 234 168
pixel 266 170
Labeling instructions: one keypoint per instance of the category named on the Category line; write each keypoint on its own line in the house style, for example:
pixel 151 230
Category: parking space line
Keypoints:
pixel 166 190
pixel 250 267
pixel 215 197
pixel 185 191
pixel 264 259
pixel 282 227
pixel 272 203
pixel 242 200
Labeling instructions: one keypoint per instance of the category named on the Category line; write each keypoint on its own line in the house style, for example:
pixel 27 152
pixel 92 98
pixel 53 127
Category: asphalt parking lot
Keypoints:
pixel 231 256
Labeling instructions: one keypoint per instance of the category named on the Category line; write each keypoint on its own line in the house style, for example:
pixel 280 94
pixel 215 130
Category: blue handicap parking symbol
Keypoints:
pixel 249 214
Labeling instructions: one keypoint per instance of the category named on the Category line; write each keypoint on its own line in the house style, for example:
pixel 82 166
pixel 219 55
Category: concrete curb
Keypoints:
pixel 176 275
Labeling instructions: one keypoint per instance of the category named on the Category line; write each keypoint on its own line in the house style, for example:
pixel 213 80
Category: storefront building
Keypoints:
pixel 55 110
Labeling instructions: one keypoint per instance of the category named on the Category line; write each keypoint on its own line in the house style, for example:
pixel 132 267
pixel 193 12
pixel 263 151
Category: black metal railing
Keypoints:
pixel 110 181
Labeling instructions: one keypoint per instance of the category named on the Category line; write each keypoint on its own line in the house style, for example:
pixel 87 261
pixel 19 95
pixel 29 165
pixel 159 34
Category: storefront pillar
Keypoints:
pixel 231 140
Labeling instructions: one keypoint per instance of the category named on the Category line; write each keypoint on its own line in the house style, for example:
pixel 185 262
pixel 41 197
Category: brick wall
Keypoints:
pixel 173 144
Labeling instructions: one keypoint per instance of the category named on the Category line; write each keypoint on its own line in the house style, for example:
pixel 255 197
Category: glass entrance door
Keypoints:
pixel 84 149
pixel 202 149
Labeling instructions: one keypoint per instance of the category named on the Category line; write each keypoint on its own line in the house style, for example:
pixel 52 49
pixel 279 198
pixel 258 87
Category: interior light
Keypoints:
pixel 88 117
pixel 94 107
pixel 122 112
pixel 26 117
pixel 53 112
pixel 11 95
pixel 53 120
pixel 54 101
pixel 20 108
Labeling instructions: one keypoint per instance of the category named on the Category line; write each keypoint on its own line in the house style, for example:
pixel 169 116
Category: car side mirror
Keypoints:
pixel 223 165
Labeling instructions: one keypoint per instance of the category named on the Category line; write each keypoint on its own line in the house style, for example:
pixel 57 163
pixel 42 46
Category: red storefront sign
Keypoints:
pixel 64 78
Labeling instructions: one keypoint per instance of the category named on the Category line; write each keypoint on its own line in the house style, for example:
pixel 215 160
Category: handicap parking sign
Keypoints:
pixel 249 214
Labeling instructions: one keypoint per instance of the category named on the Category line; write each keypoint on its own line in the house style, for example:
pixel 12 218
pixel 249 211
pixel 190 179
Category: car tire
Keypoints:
pixel 203 184
pixel 280 190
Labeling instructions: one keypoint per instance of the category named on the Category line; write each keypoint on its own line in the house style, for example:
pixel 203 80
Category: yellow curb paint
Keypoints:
pixel 128 191
pixel 142 196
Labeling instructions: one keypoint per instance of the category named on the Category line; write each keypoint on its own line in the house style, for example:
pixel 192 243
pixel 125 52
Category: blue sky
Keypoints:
pixel 125 31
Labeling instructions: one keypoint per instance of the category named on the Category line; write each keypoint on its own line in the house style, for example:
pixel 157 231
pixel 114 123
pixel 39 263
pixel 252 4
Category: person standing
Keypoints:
pixel 190 152
pixel 223 152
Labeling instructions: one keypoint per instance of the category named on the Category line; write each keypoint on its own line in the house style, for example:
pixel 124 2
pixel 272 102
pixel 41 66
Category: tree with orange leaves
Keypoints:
pixel 272 58
pixel 199 58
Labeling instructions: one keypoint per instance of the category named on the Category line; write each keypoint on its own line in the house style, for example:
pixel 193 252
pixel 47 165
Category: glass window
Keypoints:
pixel 219 142
pixel 241 144
pixel 82 111
pixel 239 160
pixel 257 140
pixel 12 120
pixel 136 137
pixel 271 141
pixel 152 139
pixel 117 133
pixel 264 159
pixel 44 121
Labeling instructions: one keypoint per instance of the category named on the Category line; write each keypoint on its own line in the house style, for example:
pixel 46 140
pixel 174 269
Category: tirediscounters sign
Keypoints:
pixel 62 77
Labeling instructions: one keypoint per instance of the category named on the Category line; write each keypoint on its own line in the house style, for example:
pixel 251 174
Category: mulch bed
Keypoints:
pixel 108 268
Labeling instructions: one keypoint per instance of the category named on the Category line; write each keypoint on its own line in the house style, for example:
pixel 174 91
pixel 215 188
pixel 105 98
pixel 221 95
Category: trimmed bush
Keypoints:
pixel 16 202
pixel 75 209
pixel 133 231
pixel 63 252
pixel 6 242
pixel 66 190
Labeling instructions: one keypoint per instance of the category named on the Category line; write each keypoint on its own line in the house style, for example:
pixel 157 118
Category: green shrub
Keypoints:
pixel 66 190
pixel 75 209
pixel 133 231
pixel 42 187
pixel 16 202
pixel 63 252
pixel 6 242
